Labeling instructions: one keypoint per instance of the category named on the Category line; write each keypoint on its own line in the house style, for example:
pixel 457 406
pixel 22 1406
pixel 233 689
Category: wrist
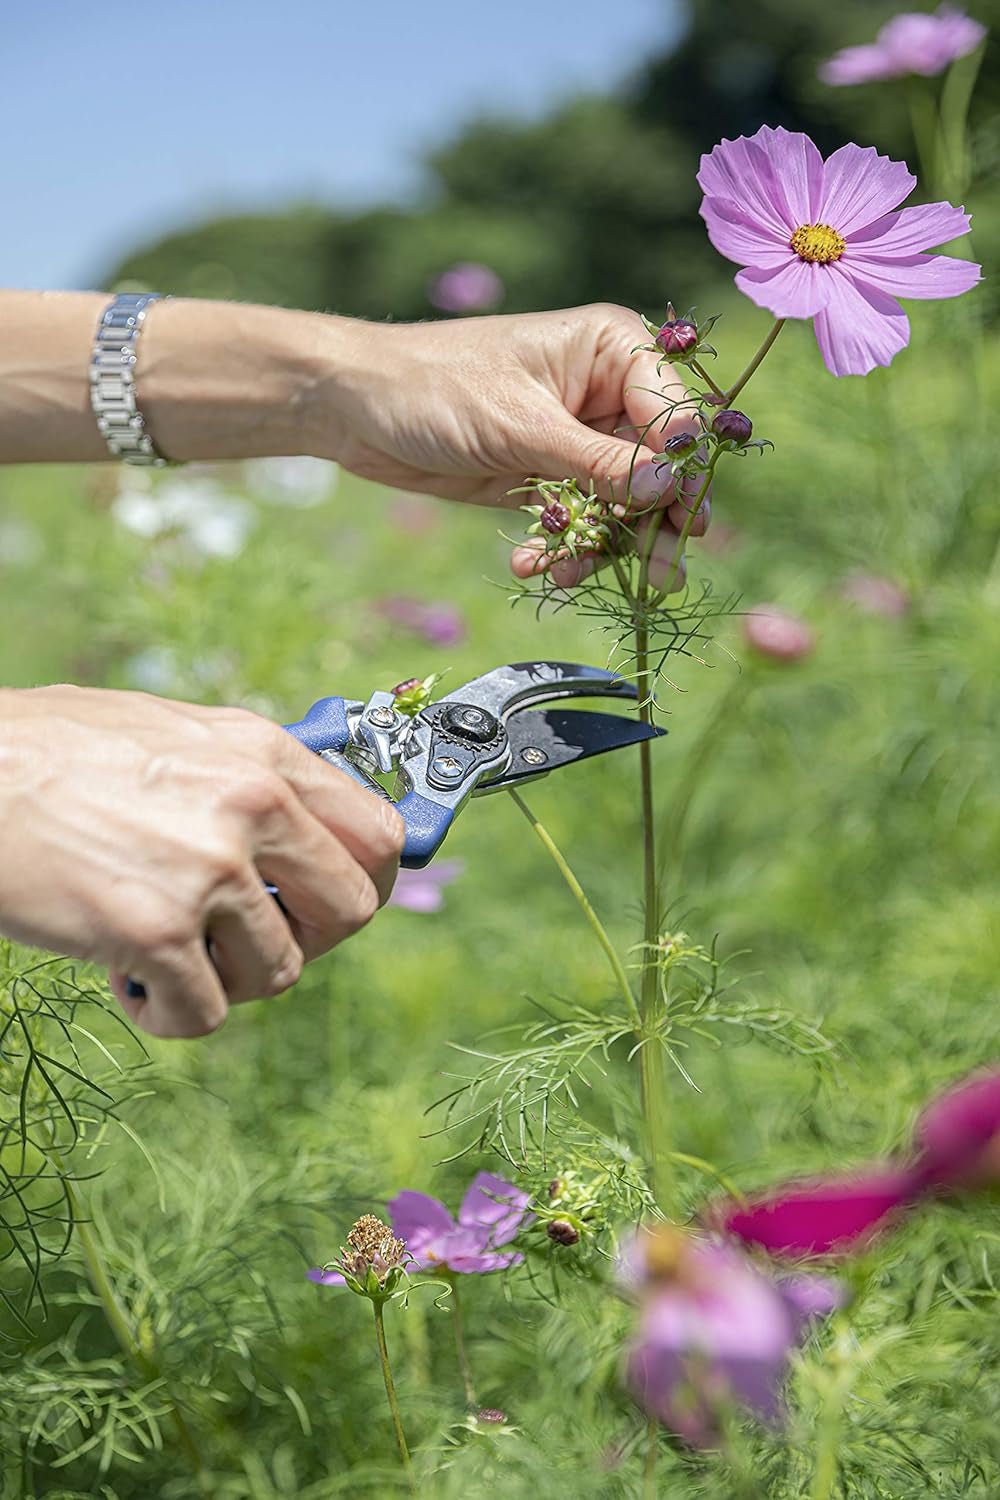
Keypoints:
pixel 220 380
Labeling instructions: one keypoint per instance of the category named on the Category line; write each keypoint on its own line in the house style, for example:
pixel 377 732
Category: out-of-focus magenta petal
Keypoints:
pixel 326 1278
pixel 907 231
pixel 741 172
pixel 859 185
pixel 797 289
pixel 740 238
pixel 860 327
pixel 955 1131
pixel 417 1218
pixel 810 1297
pixel 925 276
pixel 477 1265
pixel 853 65
pixel 918 43
pixel 494 1205
pixel 423 890
pixel 820 1217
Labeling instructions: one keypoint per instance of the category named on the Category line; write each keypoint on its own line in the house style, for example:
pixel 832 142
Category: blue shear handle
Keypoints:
pixel 427 823
pixel 324 727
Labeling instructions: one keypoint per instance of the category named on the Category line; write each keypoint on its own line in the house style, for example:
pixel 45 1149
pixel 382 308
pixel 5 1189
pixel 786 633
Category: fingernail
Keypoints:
pixel 647 484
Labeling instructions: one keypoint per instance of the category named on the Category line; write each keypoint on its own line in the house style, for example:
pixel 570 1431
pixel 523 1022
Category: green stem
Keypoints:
pixel 755 363
pixel 925 126
pixel 463 1354
pixel 649 1467
pixel 390 1390
pixel 831 1416
pixel 597 926
pixel 716 390
pixel 117 1318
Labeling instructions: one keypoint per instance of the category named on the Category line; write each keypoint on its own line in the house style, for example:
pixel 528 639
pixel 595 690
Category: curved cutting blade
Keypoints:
pixel 523 683
pixel 542 740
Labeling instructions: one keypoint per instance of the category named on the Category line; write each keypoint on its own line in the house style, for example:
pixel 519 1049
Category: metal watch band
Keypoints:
pixel 112 380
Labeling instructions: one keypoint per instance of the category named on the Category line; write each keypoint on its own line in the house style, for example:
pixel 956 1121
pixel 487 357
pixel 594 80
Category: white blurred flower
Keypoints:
pixel 205 514
pixel 153 670
pixel 299 482
pixel 20 542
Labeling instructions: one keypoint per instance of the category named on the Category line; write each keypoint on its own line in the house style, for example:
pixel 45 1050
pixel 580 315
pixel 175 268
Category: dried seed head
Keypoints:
pixel 677 338
pixel 371 1246
pixel 562 1232
pixel 732 426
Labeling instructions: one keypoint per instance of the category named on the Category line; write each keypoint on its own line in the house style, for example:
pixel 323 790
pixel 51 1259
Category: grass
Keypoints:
pixel 840 846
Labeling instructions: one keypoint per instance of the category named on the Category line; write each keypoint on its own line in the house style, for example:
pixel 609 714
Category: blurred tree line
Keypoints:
pixel 596 201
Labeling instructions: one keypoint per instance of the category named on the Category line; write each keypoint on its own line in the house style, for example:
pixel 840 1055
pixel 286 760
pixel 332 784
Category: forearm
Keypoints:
pixel 214 380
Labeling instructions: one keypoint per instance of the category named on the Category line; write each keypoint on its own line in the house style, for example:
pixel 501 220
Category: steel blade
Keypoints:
pixel 542 740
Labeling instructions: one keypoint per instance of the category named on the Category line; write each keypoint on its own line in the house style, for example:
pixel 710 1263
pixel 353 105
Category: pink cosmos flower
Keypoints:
pixel 776 633
pixel 719 1330
pixel 876 595
pixel 910 43
pixel 491 1214
pixel 440 624
pixel 956 1145
pixel 467 287
pixel 422 890
pixel 828 241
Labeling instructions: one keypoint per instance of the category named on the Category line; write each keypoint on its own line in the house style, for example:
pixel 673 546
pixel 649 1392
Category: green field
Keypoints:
pixel 841 848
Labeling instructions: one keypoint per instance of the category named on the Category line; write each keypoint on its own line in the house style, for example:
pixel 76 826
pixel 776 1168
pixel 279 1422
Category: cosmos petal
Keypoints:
pixel 494 1205
pixel 860 327
pixel 859 186
pixel 739 237
pixel 417 1217
pixel 924 226
pixel 741 172
pixel 915 275
pixel 817 1217
pixel 326 1278
pixel 797 289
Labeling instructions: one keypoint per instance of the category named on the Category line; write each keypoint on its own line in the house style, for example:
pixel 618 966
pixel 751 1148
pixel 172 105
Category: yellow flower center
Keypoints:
pixel 818 242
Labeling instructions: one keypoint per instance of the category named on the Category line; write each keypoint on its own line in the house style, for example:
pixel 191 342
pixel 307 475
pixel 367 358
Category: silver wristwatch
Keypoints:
pixel 112 379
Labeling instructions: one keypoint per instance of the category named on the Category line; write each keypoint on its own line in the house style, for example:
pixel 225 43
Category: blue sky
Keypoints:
pixel 121 121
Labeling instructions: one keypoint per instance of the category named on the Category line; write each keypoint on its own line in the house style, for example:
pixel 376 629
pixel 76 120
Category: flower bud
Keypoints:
pixel 562 1232
pixel 405 687
pixel 491 1416
pixel 732 426
pixel 775 633
pixel 555 517
pixel 680 445
pixel 556 1187
pixel 677 338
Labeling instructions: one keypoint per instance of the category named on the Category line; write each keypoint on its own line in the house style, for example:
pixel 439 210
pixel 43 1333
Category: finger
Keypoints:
pixel 601 459
pixel 252 947
pixel 327 893
pixel 667 567
pixel 184 995
pixel 680 513
pixel 368 827
pixel 531 559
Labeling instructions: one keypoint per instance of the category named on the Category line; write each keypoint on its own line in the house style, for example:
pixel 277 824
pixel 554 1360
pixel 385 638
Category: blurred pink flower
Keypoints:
pixel 491 1214
pixel 716 1329
pixel 913 42
pixel 414 514
pixel 827 240
pixel 775 633
pixel 440 624
pixel 956 1146
pixel 423 890
pixel 466 287
pixel 875 595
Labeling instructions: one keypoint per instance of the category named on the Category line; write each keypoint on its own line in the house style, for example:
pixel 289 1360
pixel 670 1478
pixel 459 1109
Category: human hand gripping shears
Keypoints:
pixel 487 736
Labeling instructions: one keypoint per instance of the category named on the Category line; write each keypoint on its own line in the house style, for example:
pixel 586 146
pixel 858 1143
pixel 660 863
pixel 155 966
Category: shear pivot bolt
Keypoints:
pixel 469 722
pixel 384 718
pixel 533 755
pixel 447 767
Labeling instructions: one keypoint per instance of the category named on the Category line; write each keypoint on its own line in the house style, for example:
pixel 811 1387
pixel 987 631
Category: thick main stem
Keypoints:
pixel 390 1390
pixel 596 925
pixel 754 364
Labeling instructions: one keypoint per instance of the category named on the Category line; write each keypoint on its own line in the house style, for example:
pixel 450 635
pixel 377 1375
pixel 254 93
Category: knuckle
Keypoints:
pixel 363 907
pixel 158 928
pixel 287 974
pixel 258 793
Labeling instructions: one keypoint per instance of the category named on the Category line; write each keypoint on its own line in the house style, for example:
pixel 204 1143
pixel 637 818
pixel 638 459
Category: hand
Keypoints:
pixel 135 829
pixel 469 409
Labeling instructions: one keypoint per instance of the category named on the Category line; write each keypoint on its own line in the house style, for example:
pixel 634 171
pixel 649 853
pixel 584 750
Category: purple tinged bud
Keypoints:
pixel 405 687
pixel 732 426
pixel 555 517
pixel 556 1187
pixel 562 1232
pixel 491 1416
pixel 680 445
pixel 677 338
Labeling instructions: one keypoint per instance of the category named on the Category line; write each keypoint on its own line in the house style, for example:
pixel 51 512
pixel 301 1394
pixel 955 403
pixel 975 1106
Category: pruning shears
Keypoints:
pixel 487 736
